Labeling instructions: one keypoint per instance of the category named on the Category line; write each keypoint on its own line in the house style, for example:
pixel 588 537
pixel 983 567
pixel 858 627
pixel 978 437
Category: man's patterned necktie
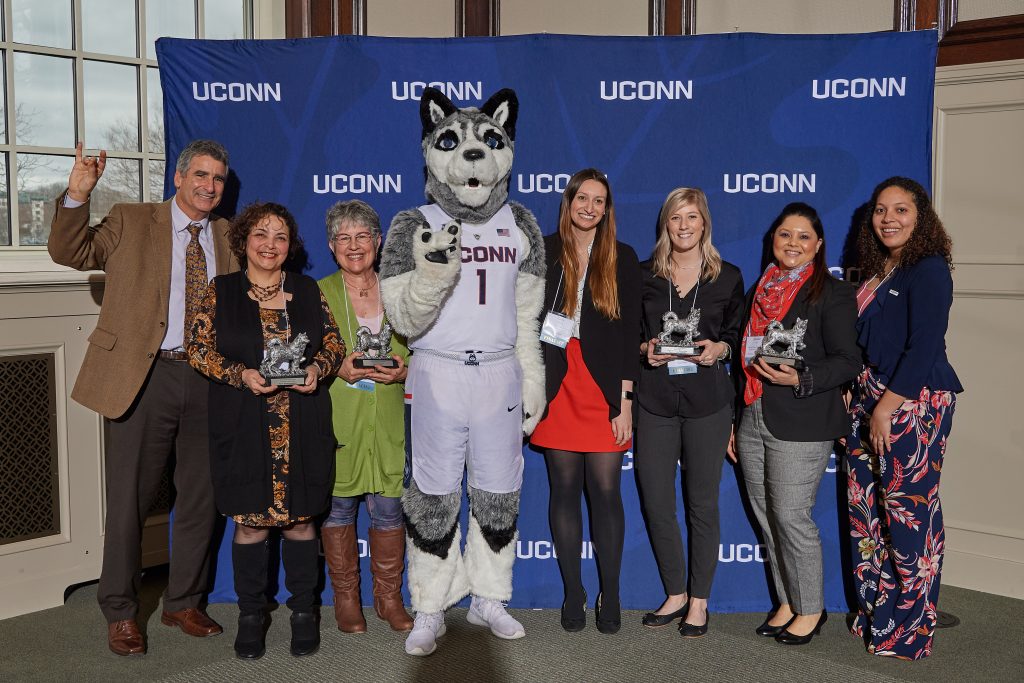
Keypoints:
pixel 195 277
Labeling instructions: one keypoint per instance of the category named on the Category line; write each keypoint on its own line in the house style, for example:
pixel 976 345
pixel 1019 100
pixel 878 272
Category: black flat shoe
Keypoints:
pixel 573 621
pixel 305 633
pixel 653 620
pixel 250 641
pixel 691 631
pixel 769 631
pixel 611 621
pixel 787 638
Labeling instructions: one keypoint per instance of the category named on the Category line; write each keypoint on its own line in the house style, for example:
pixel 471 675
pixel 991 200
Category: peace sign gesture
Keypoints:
pixel 85 174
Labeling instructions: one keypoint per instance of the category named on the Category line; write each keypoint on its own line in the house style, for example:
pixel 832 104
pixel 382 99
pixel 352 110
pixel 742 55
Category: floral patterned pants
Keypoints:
pixel 896 531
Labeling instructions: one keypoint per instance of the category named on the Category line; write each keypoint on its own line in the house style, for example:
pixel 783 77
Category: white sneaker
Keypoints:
pixel 487 612
pixel 426 629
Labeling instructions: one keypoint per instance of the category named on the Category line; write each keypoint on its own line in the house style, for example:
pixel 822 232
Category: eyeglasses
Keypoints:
pixel 362 239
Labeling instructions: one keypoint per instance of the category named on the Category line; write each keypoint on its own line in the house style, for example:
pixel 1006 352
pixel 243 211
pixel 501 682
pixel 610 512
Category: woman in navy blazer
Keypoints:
pixel 902 412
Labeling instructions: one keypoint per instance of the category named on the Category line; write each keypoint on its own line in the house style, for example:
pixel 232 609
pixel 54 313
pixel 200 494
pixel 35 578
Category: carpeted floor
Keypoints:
pixel 69 644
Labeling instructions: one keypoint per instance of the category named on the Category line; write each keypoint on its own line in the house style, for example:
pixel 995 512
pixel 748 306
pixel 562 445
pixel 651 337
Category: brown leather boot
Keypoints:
pixel 387 560
pixel 341 550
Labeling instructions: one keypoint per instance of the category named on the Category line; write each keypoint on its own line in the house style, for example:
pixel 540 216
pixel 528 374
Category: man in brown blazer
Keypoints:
pixel 136 374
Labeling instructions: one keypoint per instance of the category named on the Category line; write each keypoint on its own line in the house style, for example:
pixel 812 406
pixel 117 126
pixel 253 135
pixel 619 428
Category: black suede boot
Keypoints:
pixel 250 566
pixel 301 571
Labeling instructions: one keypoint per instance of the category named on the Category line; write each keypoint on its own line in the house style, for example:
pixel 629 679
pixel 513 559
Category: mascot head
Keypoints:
pixel 468 153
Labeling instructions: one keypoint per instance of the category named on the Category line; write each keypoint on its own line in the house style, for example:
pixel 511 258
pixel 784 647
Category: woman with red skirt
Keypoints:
pixel 591 328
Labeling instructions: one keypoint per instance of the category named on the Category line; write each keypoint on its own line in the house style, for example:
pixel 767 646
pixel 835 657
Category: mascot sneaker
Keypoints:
pixel 426 629
pixel 486 612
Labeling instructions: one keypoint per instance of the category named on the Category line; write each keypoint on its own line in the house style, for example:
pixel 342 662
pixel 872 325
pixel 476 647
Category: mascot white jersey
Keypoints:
pixel 463 279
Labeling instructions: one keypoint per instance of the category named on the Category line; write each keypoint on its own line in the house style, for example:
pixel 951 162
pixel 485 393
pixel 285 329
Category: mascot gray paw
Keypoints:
pixel 441 247
pixel 533 405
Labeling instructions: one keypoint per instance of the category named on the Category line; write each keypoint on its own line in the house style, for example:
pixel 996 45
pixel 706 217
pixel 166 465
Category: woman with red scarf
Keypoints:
pixel 790 418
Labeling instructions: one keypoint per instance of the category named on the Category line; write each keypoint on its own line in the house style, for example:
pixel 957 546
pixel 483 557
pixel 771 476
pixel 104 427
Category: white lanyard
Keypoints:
pixel 696 287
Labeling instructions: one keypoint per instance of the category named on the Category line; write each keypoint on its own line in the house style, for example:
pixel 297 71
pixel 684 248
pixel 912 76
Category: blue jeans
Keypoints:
pixel 385 512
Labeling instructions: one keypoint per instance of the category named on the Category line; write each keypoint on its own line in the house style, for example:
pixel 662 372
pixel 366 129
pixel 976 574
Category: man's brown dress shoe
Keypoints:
pixel 192 621
pixel 124 638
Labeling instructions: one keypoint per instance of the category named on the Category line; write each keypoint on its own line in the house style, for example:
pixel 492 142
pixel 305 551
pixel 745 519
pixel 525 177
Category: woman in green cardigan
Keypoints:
pixel 369 423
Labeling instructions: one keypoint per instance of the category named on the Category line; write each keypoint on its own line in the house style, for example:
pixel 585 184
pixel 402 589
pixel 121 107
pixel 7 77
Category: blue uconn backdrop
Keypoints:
pixel 756 121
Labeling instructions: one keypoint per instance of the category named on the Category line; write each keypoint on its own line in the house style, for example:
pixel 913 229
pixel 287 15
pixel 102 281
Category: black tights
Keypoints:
pixel 600 474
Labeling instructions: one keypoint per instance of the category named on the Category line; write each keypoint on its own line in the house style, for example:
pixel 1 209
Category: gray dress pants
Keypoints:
pixel 782 480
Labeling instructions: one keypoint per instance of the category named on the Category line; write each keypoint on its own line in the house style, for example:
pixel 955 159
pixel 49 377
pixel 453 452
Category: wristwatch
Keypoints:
pixel 628 395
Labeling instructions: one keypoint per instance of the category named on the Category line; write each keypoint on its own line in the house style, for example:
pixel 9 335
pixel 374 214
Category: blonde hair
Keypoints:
pixel 662 255
pixel 604 287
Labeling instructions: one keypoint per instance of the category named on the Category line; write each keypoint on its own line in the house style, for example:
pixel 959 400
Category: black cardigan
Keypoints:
pixel 239 431
pixel 722 313
pixel 611 348
pixel 832 357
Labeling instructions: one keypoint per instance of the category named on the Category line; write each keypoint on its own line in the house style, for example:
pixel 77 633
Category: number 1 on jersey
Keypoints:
pixel 482 274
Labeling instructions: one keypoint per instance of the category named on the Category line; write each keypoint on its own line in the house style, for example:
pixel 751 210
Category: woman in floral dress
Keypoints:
pixel 271 447
pixel 902 412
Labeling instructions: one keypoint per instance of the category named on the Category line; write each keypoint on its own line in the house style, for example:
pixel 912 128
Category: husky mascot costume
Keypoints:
pixel 463 278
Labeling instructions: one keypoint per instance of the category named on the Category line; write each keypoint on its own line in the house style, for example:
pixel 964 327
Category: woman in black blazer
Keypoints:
pixel 686 404
pixel 591 326
pixel 789 418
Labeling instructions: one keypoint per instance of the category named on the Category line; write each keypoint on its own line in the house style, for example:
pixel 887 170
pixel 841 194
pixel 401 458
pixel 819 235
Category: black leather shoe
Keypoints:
pixel 573 620
pixel 305 633
pixel 691 631
pixel 250 641
pixel 609 619
pixel 769 631
pixel 787 638
pixel 654 620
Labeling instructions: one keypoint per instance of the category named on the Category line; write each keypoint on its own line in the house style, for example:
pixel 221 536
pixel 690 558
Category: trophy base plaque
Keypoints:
pixel 677 349
pixel 364 363
pixel 796 363
pixel 288 380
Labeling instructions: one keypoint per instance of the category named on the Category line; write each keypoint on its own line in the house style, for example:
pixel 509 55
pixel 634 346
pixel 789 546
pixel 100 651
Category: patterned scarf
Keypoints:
pixel 775 293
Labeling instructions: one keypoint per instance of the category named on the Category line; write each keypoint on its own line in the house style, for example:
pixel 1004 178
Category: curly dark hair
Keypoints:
pixel 250 216
pixel 929 237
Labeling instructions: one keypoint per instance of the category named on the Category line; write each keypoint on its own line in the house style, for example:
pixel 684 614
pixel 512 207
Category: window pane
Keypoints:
pixel 155 104
pixel 109 26
pixel 45 111
pixel 174 18
pixel 42 22
pixel 3 97
pixel 120 183
pixel 156 181
pixel 41 178
pixel 111 94
pixel 224 19
pixel 5 214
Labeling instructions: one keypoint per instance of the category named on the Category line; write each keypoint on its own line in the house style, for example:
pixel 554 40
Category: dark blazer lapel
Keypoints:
pixel 882 294
pixel 160 235
pixel 797 309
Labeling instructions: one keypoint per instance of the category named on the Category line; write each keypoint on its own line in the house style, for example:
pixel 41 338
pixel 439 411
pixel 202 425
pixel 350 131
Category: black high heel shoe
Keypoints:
pixel 769 631
pixel 654 620
pixel 787 638
pixel 573 621
pixel 606 624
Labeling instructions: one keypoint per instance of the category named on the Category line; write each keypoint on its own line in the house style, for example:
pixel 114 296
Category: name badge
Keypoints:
pixel 362 385
pixel 753 344
pixel 894 292
pixel 681 367
pixel 556 330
